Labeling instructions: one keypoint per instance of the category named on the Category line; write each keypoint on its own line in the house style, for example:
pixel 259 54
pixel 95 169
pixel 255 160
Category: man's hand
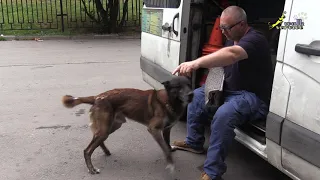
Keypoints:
pixel 186 68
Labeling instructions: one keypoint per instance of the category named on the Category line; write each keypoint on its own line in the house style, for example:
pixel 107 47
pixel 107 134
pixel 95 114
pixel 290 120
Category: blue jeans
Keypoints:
pixel 238 108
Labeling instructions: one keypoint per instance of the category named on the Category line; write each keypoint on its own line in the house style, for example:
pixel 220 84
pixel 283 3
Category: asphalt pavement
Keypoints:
pixel 42 140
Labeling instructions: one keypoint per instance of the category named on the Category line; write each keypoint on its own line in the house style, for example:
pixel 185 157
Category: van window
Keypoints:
pixel 162 3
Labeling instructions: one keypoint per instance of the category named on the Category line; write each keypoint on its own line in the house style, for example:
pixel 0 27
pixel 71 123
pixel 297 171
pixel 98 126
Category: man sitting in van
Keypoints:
pixel 247 88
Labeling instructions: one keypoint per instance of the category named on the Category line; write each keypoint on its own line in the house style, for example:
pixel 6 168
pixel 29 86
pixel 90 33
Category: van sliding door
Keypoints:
pixel 163 38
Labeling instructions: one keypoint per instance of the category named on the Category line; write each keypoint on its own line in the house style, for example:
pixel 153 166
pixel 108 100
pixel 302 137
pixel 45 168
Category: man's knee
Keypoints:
pixel 196 107
pixel 227 116
pixel 199 92
pixel 198 97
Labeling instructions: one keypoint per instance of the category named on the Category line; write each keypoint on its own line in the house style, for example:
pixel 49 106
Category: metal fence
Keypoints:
pixel 62 14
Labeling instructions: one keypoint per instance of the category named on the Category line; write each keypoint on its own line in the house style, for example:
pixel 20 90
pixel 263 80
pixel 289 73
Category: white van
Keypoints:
pixel 174 31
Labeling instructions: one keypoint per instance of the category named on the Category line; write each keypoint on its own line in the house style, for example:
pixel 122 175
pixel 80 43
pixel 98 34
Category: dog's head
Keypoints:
pixel 179 90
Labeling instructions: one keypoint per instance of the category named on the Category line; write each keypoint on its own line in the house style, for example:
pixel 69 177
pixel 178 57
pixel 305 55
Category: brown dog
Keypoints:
pixel 159 110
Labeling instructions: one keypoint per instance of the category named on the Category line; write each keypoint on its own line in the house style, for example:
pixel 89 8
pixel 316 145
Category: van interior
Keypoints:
pixel 259 13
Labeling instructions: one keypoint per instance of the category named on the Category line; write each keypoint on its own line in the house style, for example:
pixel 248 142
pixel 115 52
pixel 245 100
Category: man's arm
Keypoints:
pixel 221 58
pixel 248 46
pixel 224 57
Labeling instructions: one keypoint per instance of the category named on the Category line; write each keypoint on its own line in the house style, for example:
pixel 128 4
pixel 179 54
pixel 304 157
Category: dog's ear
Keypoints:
pixel 166 84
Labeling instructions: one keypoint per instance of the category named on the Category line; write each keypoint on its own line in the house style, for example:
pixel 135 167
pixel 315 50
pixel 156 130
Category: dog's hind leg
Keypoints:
pixel 116 125
pixel 105 149
pixel 156 134
pixel 95 142
pixel 102 118
pixel 118 121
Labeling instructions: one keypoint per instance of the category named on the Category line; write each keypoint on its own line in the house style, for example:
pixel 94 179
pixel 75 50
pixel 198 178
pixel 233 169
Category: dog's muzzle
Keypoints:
pixel 190 96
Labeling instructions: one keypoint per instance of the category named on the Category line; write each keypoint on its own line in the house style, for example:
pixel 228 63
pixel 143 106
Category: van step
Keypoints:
pixel 260 124
pixel 256 130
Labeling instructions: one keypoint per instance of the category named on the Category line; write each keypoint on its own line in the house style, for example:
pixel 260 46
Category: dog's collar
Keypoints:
pixel 164 101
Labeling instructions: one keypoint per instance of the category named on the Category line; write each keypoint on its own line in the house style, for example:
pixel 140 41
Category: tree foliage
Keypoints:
pixel 107 17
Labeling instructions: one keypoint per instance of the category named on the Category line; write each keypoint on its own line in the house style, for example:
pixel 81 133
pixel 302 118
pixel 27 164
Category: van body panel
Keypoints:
pixel 304 100
pixel 299 167
pixel 301 141
pixel 165 50
pixel 151 44
pixel 273 151
pixel 274 127
pixel 164 35
pixel 280 87
pixel 279 101
pixel 295 101
pixel 280 92
pixel 154 70
pixel 283 32
pixel 151 81
pixel 301 70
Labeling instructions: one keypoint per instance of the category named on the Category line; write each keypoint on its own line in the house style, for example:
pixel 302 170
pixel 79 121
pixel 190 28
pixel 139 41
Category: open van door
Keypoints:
pixel 164 35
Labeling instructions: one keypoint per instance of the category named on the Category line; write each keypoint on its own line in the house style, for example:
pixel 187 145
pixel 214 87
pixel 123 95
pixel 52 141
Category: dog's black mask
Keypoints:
pixel 179 91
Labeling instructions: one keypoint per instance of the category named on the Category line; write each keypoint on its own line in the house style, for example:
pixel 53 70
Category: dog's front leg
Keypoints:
pixel 156 134
pixel 166 136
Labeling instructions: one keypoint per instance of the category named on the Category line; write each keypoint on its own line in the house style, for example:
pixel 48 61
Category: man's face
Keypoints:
pixel 230 28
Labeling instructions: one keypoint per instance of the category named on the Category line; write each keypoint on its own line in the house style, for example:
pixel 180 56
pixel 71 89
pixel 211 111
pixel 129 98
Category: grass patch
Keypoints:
pixel 26 17
pixel 2 39
pixel 43 32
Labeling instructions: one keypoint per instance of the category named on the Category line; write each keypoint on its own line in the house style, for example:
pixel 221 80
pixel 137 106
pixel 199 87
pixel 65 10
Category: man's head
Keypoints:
pixel 233 23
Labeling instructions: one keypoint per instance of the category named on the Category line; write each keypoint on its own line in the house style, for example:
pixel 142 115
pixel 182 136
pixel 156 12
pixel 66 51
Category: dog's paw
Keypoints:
pixel 171 168
pixel 107 152
pixel 94 171
pixel 172 148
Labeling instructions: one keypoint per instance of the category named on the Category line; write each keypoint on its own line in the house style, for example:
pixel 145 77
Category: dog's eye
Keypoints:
pixel 175 87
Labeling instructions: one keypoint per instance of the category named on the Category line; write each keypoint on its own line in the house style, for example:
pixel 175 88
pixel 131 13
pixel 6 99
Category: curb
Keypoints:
pixel 76 37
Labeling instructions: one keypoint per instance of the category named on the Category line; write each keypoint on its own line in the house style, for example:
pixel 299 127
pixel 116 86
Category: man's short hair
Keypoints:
pixel 236 12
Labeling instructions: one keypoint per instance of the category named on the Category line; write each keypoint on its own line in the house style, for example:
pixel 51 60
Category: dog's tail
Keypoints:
pixel 70 101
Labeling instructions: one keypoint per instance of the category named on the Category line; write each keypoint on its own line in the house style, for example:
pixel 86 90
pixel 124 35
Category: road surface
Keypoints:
pixel 42 140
